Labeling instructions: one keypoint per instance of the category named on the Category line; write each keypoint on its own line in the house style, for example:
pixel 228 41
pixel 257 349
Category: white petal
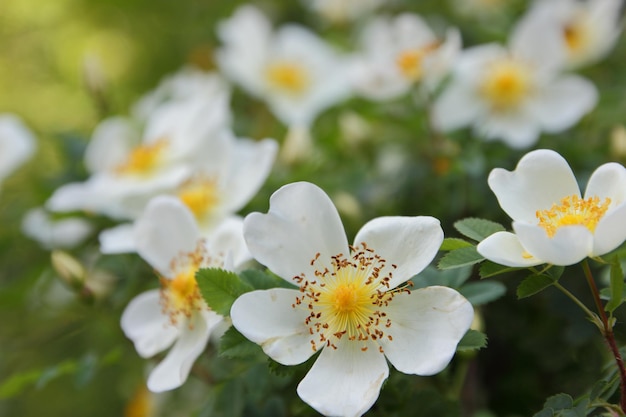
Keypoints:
pixel 608 181
pixel 346 381
pixel 410 243
pixel 144 323
pixel 267 317
pixel 110 144
pixel 569 245
pixel 610 231
pixel 426 327
pixel 302 222
pixel 173 371
pixel 505 248
pixel 227 239
pixel 118 239
pixel 516 129
pixel 457 107
pixel 564 102
pixel 17 142
pixel 164 230
pixel 540 179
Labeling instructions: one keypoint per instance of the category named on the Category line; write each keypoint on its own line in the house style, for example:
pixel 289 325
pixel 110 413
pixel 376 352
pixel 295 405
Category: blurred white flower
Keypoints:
pixel 50 233
pixel 352 303
pixel 129 164
pixel 222 185
pixel 342 11
pixel 552 222
pixel 294 71
pixel 17 144
pixel 176 316
pixel 586 30
pixel 401 53
pixel 513 93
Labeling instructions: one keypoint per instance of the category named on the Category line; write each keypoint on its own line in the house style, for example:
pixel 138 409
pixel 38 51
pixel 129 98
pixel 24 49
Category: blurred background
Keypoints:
pixel 67 64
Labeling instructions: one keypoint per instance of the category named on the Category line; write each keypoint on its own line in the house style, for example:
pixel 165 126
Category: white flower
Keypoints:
pixel 51 233
pixel 400 52
pixel 226 181
pixel 176 315
pixel 552 221
pixel 17 144
pixel 586 30
pixel 341 11
pixel 352 303
pixel 292 69
pixel 130 165
pixel 513 93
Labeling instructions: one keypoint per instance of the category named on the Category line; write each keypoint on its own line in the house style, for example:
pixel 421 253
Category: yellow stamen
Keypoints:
pixel 410 61
pixel 200 195
pixel 288 77
pixel 143 159
pixel 506 84
pixel 573 210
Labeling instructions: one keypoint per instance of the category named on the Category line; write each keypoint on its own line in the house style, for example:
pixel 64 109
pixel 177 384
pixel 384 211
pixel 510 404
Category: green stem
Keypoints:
pixel 608 334
pixel 592 316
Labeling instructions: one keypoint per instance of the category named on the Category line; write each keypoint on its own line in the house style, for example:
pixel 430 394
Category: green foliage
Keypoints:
pixel 483 292
pixel 490 269
pixel 477 229
pixel 452 243
pixel 617 286
pixel 220 288
pixel 472 340
pixel 234 345
pixel 460 257
pixel 533 284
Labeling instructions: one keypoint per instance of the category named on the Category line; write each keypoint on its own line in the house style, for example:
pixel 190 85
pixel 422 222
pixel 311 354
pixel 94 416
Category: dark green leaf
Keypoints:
pixel 263 280
pixel 472 340
pixel 533 284
pixel 617 286
pixel 220 288
pixel 559 402
pixel 555 272
pixel 451 243
pixel 548 412
pixel 477 229
pixel 490 269
pixel 234 345
pixel 452 278
pixel 482 292
pixel 460 257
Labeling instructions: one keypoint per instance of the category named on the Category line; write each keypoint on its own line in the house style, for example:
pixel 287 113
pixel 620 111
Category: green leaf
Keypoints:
pixel 234 345
pixel 559 402
pixel 263 280
pixel 617 286
pixel 482 292
pixel 452 278
pixel 548 412
pixel 472 340
pixel 477 229
pixel 533 284
pixel 452 243
pixel 220 288
pixel 460 257
pixel 491 269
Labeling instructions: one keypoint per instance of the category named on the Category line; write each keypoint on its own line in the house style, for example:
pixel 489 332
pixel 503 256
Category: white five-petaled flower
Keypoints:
pixel 176 315
pixel 17 144
pixel 513 93
pixel 352 303
pixel 585 30
pixel 399 53
pixel 552 221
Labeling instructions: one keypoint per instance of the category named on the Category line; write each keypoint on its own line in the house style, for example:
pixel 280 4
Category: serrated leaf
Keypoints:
pixel 472 340
pixel 452 243
pixel 559 402
pixel 220 288
pixel 532 285
pixel 617 286
pixel 479 293
pixel 460 257
pixel 477 229
pixel 491 269
pixel 548 412
pixel 234 345
pixel 452 278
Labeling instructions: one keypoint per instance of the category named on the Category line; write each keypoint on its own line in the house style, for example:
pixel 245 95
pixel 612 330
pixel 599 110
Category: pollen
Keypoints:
pixel 576 34
pixel 180 295
pixel 200 195
pixel 349 300
pixel 288 77
pixel 506 84
pixel 409 61
pixel 143 159
pixel 573 210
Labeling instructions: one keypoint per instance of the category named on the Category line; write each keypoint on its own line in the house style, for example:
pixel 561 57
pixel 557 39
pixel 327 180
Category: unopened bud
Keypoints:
pixel 69 269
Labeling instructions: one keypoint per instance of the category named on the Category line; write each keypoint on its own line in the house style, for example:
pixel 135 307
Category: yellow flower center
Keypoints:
pixel 577 36
pixel 180 296
pixel 143 159
pixel 506 84
pixel 288 77
pixel 573 210
pixel 200 195
pixel 410 61
pixel 348 301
